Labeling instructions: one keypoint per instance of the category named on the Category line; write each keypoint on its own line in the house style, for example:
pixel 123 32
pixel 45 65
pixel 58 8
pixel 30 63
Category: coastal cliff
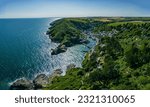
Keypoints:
pixel 120 60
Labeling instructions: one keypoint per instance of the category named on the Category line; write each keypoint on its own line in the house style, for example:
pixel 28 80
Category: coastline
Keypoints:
pixel 30 81
pixel 112 63
pixel 66 33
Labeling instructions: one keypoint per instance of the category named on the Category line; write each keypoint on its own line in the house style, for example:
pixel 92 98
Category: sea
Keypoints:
pixel 25 50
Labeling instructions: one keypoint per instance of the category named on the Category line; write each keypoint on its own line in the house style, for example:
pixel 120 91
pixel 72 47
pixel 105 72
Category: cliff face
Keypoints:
pixel 121 60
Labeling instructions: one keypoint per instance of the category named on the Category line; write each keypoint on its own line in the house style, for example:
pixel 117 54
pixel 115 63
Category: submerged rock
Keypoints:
pixel 71 66
pixel 22 84
pixel 40 81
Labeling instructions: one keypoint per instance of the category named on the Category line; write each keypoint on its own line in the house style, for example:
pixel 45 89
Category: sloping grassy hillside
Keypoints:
pixel 68 31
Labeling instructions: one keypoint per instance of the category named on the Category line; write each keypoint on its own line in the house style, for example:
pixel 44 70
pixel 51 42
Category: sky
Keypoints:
pixel 73 8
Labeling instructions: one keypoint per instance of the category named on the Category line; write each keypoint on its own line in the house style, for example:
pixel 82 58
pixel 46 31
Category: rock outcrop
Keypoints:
pixel 59 49
pixel 56 73
pixel 22 84
pixel 40 81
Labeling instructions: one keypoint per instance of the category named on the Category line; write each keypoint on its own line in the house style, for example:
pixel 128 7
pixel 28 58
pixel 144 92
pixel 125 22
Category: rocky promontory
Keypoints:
pixel 22 84
pixel 68 32
pixel 39 82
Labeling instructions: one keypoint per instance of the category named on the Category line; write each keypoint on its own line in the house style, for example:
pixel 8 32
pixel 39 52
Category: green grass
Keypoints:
pixel 71 81
pixel 122 23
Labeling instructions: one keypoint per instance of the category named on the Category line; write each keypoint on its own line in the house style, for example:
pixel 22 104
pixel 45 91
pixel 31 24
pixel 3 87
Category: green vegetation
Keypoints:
pixel 72 80
pixel 122 23
pixel 119 61
pixel 68 31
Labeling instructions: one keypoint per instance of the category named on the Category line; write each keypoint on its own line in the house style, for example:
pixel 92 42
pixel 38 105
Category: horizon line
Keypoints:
pixel 67 17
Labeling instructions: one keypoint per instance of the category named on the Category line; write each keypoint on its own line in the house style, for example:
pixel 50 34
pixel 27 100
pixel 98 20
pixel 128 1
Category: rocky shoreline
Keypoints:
pixel 63 48
pixel 39 82
pixel 66 33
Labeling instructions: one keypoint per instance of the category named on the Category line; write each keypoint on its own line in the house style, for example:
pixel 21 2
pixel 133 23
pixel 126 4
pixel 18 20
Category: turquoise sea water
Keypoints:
pixel 25 50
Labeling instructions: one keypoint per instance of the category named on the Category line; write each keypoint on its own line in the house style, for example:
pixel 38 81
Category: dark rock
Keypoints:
pixel 40 81
pixel 59 49
pixel 71 66
pixel 22 84
pixel 48 32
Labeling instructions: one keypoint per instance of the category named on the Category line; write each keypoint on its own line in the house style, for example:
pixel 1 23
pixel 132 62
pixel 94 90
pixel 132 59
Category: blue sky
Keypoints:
pixel 73 8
